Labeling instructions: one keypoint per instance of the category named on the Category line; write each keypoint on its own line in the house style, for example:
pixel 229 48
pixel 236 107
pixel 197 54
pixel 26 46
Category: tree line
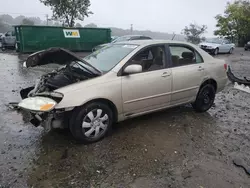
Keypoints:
pixel 233 24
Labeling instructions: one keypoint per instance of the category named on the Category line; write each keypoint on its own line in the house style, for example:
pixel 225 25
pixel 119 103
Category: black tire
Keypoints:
pixel 16 47
pixel 246 49
pixel 79 116
pixel 205 98
pixel 231 51
pixel 216 51
pixel 3 47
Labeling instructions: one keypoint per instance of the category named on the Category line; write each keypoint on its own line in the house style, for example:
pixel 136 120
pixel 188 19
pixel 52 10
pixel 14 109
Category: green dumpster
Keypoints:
pixel 35 38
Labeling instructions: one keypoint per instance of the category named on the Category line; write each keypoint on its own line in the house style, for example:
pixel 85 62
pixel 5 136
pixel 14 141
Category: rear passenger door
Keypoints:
pixel 188 73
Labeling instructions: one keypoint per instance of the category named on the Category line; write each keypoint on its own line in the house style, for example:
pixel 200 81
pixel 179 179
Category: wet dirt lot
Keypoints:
pixel 173 148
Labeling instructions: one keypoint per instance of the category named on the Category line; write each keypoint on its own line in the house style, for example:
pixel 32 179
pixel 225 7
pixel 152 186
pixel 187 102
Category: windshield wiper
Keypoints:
pixel 93 71
pixel 98 72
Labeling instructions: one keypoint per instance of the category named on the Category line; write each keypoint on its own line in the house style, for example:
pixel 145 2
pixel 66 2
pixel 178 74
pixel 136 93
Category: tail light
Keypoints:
pixel 225 66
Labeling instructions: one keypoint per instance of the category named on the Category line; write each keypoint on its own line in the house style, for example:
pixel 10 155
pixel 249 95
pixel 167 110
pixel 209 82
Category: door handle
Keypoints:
pixel 165 74
pixel 201 69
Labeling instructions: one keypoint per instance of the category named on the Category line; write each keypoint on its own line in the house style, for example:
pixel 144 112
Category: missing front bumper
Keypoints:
pixel 49 120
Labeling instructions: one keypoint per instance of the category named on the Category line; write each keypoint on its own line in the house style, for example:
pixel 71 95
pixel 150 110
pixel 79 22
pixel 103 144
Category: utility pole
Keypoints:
pixel 47 19
pixel 131 28
pixel 173 35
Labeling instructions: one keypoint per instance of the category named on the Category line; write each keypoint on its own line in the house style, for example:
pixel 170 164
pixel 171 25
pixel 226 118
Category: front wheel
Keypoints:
pixel 205 98
pixel 216 51
pixel 231 51
pixel 91 123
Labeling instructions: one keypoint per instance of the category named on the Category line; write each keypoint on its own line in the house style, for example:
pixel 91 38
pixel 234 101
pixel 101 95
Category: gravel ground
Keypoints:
pixel 174 148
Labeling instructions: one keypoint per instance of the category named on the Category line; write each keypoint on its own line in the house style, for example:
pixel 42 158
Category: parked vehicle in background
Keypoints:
pixel 8 40
pixel 1 35
pixel 122 39
pixel 247 46
pixel 113 38
pixel 216 46
pixel 120 81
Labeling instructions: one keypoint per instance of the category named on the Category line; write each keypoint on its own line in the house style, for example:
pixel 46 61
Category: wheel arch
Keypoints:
pixel 210 81
pixel 110 104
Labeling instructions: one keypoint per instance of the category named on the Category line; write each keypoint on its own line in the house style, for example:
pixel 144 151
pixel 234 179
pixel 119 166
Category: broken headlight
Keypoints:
pixel 42 104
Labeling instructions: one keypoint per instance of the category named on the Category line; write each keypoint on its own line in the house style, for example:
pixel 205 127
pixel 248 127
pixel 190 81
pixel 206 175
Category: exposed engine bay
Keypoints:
pixel 39 100
pixel 73 70
pixel 64 76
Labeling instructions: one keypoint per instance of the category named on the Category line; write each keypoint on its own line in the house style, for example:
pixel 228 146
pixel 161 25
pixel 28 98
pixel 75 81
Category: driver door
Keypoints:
pixel 150 89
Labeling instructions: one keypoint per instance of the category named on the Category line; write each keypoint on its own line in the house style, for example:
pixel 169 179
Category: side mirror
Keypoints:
pixel 132 69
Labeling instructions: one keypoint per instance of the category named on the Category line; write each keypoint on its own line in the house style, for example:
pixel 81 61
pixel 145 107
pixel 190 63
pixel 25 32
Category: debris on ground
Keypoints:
pixel 239 162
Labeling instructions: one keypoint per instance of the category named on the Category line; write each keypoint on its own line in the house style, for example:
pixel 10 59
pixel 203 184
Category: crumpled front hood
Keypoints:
pixel 59 56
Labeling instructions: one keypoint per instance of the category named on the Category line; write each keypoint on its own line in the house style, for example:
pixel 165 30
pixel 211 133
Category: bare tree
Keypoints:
pixel 194 33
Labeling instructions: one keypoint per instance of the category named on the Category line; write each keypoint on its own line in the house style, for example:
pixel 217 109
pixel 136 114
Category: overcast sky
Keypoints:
pixel 156 15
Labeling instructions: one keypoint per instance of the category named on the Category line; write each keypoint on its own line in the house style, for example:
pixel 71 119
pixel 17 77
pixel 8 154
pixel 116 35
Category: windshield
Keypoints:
pixel 216 41
pixel 84 67
pixel 107 57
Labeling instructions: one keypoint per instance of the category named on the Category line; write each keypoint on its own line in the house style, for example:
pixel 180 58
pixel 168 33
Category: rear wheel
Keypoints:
pixel 205 98
pixel 91 123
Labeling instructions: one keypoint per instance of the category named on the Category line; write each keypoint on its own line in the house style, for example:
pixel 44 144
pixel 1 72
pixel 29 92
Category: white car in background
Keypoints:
pixel 216 46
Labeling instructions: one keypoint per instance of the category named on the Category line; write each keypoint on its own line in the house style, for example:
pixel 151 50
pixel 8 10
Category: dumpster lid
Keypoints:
pixel 59 56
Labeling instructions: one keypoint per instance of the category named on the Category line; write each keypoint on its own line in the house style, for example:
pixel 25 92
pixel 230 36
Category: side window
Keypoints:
pixel 150 59
pixel 8 34
pixel 198 58
pixel 182 55
pixel 144 38
pixel 134 38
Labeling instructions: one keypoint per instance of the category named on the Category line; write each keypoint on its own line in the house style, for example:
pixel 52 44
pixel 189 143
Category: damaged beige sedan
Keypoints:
pixel 118 82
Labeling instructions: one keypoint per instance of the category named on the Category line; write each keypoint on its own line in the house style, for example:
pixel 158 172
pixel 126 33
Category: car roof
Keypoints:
pixel 149 42
pixel 133 36
pixel 144 43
